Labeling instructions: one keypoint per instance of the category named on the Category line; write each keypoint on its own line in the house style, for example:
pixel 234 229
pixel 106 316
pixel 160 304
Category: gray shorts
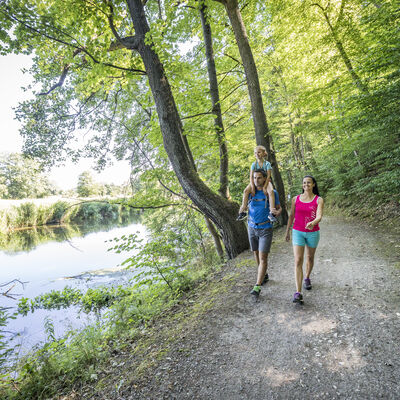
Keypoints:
pixel 260 239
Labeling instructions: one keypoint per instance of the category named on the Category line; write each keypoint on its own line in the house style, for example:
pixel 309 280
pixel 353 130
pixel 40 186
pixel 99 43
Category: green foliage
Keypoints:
pixel 5 349
pixel 86 185
pixel 58 363
pixel 101 211
pixel 93 300
pixel 332 93
pixel 22 177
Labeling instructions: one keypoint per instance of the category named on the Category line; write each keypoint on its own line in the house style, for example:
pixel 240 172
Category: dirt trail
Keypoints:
pixel 343 343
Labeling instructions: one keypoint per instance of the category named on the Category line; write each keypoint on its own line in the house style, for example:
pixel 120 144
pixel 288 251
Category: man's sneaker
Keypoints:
pixel 256 291
pixel 241 216
pixel 272 218
pixel 307 284
pixel 298 298
pixel 266 279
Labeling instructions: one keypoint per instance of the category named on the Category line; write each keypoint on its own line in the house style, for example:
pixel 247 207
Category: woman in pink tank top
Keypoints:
pixel 306 212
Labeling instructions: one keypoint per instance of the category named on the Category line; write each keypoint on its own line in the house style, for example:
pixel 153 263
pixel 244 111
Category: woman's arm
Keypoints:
pixel 290 219
pixel 320 210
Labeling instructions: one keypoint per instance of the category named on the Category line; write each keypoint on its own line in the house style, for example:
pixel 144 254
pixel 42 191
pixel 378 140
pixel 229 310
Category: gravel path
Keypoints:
pixel 343 343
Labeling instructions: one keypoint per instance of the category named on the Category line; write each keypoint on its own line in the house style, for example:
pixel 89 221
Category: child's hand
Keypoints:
pixel 287 237
pixel 273 210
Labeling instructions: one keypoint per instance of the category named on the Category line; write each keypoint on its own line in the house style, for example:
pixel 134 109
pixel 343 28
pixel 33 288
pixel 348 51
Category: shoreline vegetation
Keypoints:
pixel 34 213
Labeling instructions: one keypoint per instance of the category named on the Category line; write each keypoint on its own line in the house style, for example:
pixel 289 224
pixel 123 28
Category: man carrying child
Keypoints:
pixel 260 152
pixel 260 227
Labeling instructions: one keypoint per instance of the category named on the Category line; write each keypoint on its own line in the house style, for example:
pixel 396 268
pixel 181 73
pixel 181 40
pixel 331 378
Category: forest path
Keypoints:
pixel 343 343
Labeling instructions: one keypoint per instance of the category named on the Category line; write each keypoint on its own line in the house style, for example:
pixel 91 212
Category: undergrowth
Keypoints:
pixel 166 268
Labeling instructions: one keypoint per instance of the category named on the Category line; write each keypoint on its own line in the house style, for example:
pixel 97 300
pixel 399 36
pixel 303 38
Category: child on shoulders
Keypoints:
pixel 260 152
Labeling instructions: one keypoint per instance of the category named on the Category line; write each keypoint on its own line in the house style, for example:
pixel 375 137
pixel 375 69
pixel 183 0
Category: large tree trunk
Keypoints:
pixel 219 210
pixel 259 119
pixel 216 105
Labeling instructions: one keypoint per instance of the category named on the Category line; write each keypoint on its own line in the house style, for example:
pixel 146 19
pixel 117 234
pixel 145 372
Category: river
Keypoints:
pixel 64 260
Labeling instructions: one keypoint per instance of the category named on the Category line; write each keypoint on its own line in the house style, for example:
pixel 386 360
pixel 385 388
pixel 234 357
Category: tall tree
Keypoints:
pixel 219 210
pixel 216 104
pixel 259 118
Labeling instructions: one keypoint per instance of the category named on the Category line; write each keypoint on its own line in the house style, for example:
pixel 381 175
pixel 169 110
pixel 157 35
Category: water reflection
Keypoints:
pixel 25 240
pixel 50 258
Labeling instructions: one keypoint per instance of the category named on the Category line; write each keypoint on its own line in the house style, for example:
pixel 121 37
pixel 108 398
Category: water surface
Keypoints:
pixel 79 261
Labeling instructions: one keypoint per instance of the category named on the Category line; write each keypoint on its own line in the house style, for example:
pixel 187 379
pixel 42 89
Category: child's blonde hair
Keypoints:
pixel 260 147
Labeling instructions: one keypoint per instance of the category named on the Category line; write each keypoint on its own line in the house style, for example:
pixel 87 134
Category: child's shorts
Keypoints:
pixel 309 239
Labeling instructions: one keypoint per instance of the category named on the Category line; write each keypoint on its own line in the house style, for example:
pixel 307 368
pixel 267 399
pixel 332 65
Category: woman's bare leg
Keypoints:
pixel 298 266
pixel 310 254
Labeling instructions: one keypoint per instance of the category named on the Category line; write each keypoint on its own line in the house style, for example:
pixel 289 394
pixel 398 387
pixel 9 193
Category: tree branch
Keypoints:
pixel 59 83
pixel 197 115
pixel 62 77
pixel 231 57
pixel 129 42
pixel 152 166
pixel 80 48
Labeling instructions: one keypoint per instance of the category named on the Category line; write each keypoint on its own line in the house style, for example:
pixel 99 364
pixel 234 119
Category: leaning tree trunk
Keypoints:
pixel 259 119
pixel 219 210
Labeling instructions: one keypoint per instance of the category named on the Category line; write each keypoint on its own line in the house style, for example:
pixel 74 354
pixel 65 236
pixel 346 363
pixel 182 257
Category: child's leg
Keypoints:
pixel 271 196
pixel 245 200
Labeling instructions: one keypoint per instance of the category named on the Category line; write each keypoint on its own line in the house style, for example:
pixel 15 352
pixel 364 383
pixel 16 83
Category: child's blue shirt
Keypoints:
pixel 266 166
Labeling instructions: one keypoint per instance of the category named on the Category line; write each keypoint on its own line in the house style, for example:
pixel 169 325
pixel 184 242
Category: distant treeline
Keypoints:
pixel 30 214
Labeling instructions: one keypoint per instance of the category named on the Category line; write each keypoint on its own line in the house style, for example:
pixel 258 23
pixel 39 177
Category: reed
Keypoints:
pixel 30 214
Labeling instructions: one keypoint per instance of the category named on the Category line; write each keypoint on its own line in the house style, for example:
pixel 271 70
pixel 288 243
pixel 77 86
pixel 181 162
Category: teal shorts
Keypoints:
pixel 309 239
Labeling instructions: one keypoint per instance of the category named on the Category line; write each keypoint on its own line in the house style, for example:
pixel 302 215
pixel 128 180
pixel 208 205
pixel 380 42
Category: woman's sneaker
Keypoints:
pixel 298 298
pixel 307 284
pixel 266 279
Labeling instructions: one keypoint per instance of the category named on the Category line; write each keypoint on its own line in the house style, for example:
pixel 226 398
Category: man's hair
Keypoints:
pixel 261 171
pixel 260 147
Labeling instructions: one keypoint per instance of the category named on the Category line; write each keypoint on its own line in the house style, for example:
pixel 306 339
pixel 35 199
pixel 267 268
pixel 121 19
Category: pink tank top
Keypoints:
pixel 305 213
